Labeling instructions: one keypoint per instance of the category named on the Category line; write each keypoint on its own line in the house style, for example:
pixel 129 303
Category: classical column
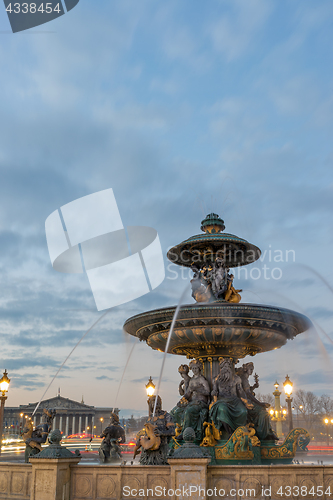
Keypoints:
pixel 86 423
pixel 93 425
pixel 35 421
pixel 67 425
pixel 73 424
pixel 54 423
pixel 80 424
pixel 60 423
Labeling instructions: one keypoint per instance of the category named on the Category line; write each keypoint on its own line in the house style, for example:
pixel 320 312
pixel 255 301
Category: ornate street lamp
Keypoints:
pixel 327 437
pixel 288 389
pixel 150 389
pixel 4 385
pixel 277 416
pixel 327 421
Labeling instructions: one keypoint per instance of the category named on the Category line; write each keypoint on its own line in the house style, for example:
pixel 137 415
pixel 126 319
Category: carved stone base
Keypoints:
pixel 242 448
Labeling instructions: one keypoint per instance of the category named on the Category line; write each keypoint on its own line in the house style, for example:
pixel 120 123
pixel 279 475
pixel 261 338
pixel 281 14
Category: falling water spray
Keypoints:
pixel 168 342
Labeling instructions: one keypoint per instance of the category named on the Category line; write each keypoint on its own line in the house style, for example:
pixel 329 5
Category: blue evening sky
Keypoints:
pixel 182 107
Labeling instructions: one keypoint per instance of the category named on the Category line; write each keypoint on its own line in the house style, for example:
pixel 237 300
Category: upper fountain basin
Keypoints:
pixel 218 329
pixel 203 249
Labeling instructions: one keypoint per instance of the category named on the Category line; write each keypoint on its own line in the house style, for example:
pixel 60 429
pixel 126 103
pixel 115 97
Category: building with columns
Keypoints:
pixel 72 417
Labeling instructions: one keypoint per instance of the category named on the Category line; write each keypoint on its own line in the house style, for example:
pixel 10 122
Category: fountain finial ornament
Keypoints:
pixel 212 224
pixel 189 449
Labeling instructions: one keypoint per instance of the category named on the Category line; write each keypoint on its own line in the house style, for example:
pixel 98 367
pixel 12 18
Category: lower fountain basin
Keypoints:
pixel 218 329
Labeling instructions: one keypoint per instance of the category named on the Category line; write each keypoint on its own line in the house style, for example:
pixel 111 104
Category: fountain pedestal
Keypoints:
pixel 189 477
pixel 51 474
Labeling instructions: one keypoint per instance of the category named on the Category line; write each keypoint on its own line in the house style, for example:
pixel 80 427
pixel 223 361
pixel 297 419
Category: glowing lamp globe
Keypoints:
pixel 288 386
pixel 150 388
pixel 4 383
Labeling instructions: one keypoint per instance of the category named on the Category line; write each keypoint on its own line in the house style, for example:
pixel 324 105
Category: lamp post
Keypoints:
pixel 4 384
pixel 288 389
pixel 300 408
pixel 277 413
pixel 150 388
pixel 102 420
pixel 326 423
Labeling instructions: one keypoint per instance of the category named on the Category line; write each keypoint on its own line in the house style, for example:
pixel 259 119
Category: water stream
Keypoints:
pixel 69 355
pixel 168 342
pixel 125 368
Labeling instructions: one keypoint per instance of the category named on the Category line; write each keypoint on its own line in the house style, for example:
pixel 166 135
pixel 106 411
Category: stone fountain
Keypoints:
pixel 215 332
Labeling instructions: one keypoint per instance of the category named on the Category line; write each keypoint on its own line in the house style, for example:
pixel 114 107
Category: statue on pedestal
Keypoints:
pixel 201 287
pixel 257 415
pixel 194 404
pixel 154 438
pixel 212 282
pixel 34 438
pixel 177 412
pixel 219 274
pixel 112 435
pixel 229 409
pixel 231 294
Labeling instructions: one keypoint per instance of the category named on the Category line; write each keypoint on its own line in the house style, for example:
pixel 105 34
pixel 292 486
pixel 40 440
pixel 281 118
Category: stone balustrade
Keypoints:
pixel 65 479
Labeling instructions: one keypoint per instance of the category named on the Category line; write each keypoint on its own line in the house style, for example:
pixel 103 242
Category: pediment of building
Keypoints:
pixel 58 403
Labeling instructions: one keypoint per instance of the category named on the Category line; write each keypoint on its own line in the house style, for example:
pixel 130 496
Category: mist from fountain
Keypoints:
pixel 316 326
pixel 124 371
pixel 69 355
pixel 168 341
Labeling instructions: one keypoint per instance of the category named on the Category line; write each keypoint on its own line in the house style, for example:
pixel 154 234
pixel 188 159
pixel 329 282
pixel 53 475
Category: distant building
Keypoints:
pixel 72 417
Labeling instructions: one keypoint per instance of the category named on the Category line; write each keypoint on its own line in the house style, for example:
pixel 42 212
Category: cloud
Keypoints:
pixel 312 379
pixel 320 312
pixel 238 27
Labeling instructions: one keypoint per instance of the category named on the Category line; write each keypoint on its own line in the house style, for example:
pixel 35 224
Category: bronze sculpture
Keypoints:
pixel 213 282
pixel 229 408
pixel 201 288
pixel 231 294
pixel 34 438
pixel 257 415
pixel 154 438
pixel 194 404
pixel 112 435
pixel 178 411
